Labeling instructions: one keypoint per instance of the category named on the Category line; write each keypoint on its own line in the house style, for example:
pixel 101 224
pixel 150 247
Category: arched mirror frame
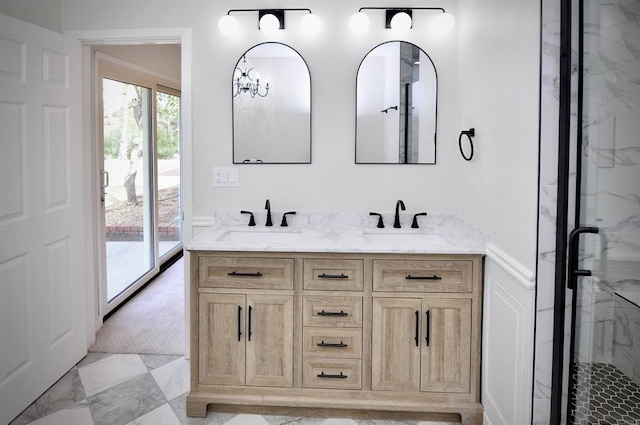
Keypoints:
pixel 233 112
pixel 435 109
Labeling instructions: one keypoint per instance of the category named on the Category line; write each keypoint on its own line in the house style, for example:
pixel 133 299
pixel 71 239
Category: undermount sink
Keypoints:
pixel 261 235
pixel 401 237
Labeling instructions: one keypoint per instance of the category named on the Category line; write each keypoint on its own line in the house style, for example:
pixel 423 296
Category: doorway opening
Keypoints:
pixel 139 113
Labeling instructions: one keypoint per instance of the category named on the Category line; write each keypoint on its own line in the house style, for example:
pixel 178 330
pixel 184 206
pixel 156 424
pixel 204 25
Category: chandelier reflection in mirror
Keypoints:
pixel 245 83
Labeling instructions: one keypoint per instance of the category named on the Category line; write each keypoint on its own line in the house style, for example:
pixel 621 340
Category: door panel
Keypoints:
pixel 222 342
pixel 395 356
pixel 42 294
pixel 446 358
pixel 270 340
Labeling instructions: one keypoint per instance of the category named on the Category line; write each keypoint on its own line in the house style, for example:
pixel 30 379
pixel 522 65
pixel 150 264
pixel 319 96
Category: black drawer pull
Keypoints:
pixel 240 274
pixel 333 276
pixel 328 344
pixel 434 277
pixel 332 313
pixel 326 375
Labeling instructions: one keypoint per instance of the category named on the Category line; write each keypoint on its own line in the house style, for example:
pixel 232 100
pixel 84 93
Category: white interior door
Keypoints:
pixel 43 324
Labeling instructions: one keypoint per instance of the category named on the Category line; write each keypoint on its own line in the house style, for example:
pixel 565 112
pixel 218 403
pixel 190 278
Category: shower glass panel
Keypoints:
pixel 605 356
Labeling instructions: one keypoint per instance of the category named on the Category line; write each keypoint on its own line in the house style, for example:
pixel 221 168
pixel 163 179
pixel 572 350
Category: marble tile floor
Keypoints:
pixel 140 389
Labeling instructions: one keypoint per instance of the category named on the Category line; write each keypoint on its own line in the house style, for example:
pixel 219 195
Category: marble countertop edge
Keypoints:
pixel 341 233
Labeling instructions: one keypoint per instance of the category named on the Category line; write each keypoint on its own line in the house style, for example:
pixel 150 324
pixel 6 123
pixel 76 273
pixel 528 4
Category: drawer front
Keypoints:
pixel 245 273
pixel 329 311
pixel 332 373
pixel 422 275
pixel 333 275
pixel 333 342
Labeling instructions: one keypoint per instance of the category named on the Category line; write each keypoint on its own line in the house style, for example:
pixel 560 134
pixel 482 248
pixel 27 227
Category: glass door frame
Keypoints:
pixel 567 150
pixel 112 68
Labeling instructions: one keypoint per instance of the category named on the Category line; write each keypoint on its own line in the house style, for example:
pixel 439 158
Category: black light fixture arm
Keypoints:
pixel 278 13
pixel 402 9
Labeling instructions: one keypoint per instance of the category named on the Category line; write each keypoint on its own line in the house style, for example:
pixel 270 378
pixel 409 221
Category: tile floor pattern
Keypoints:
pixel 604 396
pixel 139 389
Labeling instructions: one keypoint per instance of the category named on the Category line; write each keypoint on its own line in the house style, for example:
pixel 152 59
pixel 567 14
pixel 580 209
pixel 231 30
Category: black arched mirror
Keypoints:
pixel 396 106
pixel 271 95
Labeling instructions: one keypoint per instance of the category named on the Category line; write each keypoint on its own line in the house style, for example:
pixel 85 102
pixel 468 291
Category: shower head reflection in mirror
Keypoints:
pixel 276 128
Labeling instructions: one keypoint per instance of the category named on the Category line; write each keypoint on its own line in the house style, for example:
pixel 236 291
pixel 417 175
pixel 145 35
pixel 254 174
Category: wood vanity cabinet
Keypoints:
pixel 352 335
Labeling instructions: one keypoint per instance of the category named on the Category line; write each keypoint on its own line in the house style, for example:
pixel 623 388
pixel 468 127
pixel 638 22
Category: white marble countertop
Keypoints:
pixel 341 232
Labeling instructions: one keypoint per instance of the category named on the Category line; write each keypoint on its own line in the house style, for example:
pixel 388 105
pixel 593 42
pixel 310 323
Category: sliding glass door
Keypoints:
pixel 141 180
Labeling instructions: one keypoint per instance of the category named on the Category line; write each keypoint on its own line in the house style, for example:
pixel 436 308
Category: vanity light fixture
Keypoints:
pixel 269 21
pixel 244 83
pixel 401 19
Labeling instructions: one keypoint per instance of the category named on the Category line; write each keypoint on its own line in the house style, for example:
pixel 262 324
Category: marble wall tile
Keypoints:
pixel 626 339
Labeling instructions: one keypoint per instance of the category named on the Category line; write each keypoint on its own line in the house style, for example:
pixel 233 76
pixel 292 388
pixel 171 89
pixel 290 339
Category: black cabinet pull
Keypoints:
pixel 249 324
pixel 328 344
pixel 241 274
pixel 428 327
pixel 434 277
pixel 239 323
pixel 332 313
pixel 326 375
pixel 417 328
pixel 333 276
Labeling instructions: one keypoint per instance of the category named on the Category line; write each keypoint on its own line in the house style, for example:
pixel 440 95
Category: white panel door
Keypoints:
pixel 43 324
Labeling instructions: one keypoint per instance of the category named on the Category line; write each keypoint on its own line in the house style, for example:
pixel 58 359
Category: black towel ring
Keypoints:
pixel 469 133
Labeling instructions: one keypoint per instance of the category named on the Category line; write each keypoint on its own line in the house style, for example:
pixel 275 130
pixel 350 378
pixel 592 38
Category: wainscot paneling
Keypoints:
pixel 508 335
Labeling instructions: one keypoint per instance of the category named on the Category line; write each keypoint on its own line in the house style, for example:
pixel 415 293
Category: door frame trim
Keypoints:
pixel 132 36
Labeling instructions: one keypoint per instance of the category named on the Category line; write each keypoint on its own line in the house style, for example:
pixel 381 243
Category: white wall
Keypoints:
pixel 498 94
pixel 46 14
pixel 162 59
pixel 332 182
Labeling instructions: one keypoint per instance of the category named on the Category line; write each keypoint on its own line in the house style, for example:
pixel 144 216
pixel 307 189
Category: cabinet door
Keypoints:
pixel 446 354
pixel 395 353
pixel 270 340
pixel 221 346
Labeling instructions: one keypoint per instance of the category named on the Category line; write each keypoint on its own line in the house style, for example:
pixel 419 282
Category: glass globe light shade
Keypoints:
pixel 401 22
pixel 269 23
pixel 443 24
pixel 310 24
pixel 359 22
pixel 228 25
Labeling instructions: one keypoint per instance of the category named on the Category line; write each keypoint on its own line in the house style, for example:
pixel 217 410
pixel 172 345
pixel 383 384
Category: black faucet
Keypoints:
pixel 414 224
pixel 267 206
pixel 396 222
pixel 252 221
pixel 284 218
pixel 380 222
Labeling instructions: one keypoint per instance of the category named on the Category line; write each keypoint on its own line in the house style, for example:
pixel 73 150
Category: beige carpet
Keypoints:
pixel 150 323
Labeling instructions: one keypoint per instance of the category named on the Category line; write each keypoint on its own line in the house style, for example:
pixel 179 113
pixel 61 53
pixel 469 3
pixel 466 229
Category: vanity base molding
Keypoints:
pixel 198 404
pixel 388 336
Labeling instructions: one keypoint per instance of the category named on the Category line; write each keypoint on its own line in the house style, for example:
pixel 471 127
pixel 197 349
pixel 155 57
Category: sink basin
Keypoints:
pixel 261 236
pixel 402 238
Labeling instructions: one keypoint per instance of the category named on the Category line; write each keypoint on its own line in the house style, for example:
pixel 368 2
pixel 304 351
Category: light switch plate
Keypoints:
pixel 225 177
